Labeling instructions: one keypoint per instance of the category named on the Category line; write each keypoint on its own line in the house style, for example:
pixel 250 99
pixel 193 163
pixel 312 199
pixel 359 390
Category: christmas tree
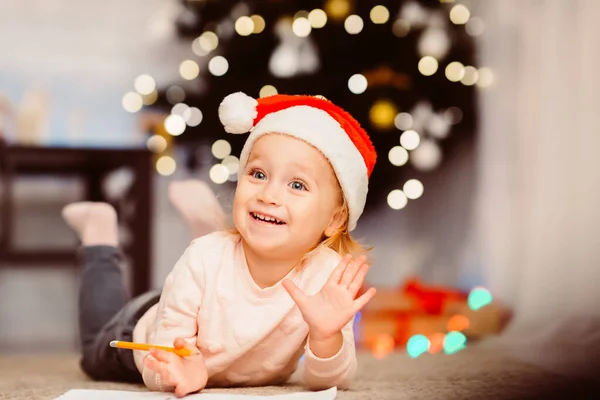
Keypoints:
pixel 403 69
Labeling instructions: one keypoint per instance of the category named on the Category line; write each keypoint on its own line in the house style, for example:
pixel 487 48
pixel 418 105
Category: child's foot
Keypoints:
pixel 95 223
pixel 198 205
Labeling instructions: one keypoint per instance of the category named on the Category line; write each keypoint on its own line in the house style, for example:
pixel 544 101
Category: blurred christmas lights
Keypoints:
pixel 454 342
pixel 417 345
pixel 479 297
pixel 353 24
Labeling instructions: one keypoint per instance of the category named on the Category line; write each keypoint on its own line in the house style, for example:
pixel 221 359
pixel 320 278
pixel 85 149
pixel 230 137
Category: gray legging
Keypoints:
pixel 107 313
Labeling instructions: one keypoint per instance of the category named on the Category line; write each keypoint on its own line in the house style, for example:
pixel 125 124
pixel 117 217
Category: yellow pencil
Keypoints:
pixel 145 347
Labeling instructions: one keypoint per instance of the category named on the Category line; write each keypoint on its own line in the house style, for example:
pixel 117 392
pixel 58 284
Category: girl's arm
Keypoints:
pixel 178 308
pixel 335 370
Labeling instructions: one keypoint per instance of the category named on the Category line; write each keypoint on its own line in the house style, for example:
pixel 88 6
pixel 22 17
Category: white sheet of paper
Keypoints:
pixel 84 394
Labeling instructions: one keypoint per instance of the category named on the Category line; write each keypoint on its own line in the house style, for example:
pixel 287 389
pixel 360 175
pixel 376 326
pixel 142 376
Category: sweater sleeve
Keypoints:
pixel 338 370
pixel 178 309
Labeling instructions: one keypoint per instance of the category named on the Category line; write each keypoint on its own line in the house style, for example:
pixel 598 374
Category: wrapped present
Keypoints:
pixel 420 309
pixel 433 299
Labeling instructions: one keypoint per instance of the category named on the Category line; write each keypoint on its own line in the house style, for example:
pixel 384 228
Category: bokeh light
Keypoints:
pixel 454 342
pixel 259 23
pixel 301 27
pixel 475 26
pixel 166 165
pixel 455 71
pixel 357 83
pixel 192 116
pixel 401 27
pixel 379 14
pixel 413 189
pixel 244 26
pixel 132 102
pixel 175 124
pixel 232 163
pixel 150 98
pixel 436 341
pixel 403 121
pixel 382 114
pixel 198 49
pixel 337 9
pixel 396 199
pixel 398 156
pixel 267 90
pixel 301 14
pixel 144 84
pixel 459 14
pixel 317 18
pixel 218 173
pixel 208 41
pixel 434 42
pixel 353 24
pixel 417 345
pixel 437 126
pixel 179 109
pixel 175 94
pixel 156 144
pixel 383 345
pixel 410 140
pixel 428 65
pixel 486 77
pixel 470 77
pixel 427 156
pixel 218 66
pixel 458 323
pixel 479 297
pixel 221 149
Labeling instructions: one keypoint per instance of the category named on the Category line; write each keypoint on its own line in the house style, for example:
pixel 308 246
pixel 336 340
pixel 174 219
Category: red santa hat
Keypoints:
pixel 318 122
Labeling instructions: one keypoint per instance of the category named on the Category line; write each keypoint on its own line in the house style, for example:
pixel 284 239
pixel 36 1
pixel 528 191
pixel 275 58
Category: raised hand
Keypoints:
pixel 186 374
pixel 327 311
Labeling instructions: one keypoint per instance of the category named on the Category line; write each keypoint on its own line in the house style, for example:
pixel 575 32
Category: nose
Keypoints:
pixel 270 194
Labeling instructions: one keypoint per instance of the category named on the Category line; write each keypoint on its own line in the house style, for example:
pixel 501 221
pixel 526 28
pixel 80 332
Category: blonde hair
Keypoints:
pixel 342 241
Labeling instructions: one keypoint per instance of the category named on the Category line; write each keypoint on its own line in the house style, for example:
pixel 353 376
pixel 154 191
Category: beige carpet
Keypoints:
pixel 474 373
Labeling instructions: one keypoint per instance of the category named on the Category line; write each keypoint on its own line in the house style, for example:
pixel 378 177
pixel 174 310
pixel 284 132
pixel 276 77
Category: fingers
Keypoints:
pixel 164 356
pixel 364 299
pixel 337 273
pixel 161 368
pixel 358 280
pixel 180 343
pixel 152 363
pixel 351 270
pixel 295 292
pixel 181 391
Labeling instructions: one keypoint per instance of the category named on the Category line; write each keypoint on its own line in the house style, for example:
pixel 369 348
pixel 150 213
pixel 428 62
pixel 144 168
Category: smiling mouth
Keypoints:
pixel 266 219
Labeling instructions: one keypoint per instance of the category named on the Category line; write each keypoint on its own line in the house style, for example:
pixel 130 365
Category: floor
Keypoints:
pixel 474 373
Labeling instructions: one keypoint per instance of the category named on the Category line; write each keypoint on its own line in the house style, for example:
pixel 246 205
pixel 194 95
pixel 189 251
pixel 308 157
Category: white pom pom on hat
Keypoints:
pixel 237 112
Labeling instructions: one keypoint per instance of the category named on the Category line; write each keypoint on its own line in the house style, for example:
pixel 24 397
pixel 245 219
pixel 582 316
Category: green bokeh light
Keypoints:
pixel 454 342
pixel 417 345
pixel 479 297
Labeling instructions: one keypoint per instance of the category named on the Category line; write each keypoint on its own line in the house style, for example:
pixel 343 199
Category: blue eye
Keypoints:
pixel 259 175
pixel 297 185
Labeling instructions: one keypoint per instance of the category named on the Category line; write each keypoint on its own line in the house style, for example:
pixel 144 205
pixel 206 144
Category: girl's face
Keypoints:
pixel 287 197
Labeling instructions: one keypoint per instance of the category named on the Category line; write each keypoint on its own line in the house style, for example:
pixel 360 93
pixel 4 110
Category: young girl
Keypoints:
pixel 250 302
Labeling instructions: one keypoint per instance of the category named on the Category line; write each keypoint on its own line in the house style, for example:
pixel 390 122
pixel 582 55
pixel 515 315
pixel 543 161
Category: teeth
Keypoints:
pixel 266 218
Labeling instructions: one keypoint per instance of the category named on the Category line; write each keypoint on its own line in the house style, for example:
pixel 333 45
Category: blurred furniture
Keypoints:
pixel 91 164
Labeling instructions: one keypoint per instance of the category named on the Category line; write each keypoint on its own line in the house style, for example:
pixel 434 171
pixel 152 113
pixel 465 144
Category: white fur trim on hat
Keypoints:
pixel 319 129
pixel 237 112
